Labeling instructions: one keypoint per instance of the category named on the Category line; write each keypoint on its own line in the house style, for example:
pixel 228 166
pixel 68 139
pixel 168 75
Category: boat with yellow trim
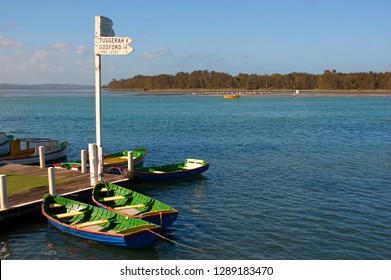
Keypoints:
pixel 231 96
pixel 26 151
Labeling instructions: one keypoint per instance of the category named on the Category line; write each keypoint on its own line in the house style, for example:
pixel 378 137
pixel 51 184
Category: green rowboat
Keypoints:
pixel 97 224
pixel 133 204
pixel 118 159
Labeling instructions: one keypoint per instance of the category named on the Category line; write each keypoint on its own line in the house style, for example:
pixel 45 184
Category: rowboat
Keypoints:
pixel 121 158
pixel 118 159
pixel 133 204
pixel 97 224
pixel 230 96
pixel 5 143
pixel 189 167
pixel 26 151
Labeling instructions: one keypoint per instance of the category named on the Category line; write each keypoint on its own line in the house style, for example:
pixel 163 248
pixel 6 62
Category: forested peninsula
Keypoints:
pixel 207 80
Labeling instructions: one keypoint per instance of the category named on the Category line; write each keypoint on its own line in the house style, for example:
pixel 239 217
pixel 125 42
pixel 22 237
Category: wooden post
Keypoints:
pixel 41 150
pixel 130 162
pixel 83 161
pixel 3 192
pixel 93 162
pixel 52 181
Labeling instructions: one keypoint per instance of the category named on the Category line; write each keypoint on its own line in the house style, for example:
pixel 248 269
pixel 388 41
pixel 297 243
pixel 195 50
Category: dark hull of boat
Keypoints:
pixel 137 240
pixel 180 174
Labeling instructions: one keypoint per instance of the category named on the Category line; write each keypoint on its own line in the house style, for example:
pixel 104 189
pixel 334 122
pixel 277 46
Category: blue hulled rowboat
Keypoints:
pixel 133 204
pixel 97 224
pixel 188 168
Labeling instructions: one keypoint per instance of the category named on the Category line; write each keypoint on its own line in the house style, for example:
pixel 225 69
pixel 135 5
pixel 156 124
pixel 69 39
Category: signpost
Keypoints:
pixel 105 44
pixel 113 45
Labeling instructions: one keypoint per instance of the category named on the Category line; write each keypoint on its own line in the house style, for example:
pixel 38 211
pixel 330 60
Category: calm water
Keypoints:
pixel 290 178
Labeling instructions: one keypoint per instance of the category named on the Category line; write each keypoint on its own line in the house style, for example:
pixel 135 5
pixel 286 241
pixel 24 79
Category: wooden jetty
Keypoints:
pixel 74 184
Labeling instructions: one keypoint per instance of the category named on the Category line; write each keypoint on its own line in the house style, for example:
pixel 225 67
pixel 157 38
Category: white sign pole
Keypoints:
pixel 103 27
pixel 105 44
pixel 98 112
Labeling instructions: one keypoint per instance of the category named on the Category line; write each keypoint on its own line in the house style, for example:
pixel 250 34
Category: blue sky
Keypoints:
pixel 46 41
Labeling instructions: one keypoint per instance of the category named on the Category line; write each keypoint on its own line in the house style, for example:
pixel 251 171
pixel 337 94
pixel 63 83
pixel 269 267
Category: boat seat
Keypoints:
pixel 112 198
pixel 92 223
pixel 187 168
pixel 115 160
pixel 128 207
pixel 55 205
pixel 68 214
pixel 191 166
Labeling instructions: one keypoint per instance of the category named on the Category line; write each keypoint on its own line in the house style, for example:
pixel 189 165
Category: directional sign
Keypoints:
pixel 113 45
pixel 104 27
pixel 105 43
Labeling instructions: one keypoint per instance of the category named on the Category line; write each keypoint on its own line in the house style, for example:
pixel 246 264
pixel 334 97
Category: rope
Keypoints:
pixel 102 179
pixel 175 242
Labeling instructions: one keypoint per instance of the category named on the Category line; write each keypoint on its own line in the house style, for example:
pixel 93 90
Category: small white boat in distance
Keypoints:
pixel 26 151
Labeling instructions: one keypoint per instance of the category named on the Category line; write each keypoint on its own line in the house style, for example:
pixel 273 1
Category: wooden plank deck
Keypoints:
pixel 27 202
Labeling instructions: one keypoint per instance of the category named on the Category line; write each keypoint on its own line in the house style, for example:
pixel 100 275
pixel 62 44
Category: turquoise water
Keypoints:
pixel 289 178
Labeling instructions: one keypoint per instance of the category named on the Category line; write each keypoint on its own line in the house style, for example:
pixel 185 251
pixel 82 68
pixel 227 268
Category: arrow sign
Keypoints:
pixel 113 45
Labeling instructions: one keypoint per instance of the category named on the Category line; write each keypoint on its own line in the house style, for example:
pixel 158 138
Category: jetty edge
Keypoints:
pixel 22 205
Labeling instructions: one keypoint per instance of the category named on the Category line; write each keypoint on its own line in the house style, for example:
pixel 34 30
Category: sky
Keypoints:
pixel 46 41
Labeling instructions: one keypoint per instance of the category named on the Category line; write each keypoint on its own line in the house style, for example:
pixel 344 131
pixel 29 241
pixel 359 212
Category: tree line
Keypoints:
pixel 206 80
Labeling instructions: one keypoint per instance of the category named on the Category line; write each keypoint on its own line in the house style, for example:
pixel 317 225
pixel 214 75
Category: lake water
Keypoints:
pixel 289 178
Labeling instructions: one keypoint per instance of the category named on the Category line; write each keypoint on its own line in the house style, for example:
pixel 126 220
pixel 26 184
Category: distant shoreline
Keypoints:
pixel 205 92
pixel 182 92
pixel 44 86
pixel 364 94
pixel 227 90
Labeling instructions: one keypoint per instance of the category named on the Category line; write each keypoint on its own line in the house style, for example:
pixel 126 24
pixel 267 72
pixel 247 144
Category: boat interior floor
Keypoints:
pixel 98 228
pixel 130 211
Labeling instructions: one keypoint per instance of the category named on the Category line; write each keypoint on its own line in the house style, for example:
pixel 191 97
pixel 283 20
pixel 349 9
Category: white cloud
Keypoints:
pixel 9 43
pixel 38 57
pixel 58 62
pixel 81 50
pixel 60 46
pixel 159 53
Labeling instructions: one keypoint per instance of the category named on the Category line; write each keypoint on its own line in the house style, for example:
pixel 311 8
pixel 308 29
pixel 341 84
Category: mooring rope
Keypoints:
pixel 175 242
